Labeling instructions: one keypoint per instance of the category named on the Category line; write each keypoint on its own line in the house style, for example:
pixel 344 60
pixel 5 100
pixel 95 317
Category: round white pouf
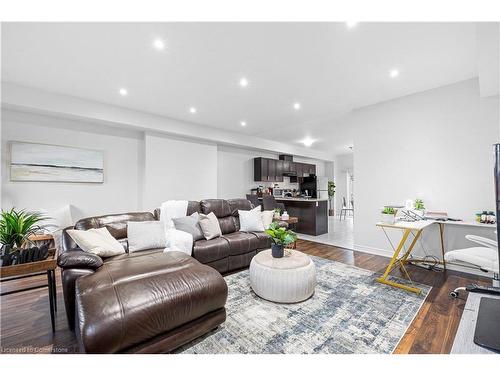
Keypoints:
pixel 287 280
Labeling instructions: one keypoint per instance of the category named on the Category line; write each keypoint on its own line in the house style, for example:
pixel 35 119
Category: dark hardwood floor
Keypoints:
pixel 25 321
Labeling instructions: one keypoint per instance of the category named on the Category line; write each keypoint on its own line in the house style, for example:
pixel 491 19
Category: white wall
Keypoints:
pixel 118 193
pixel 342 164
pixel 142 169
pixel 178 169
pixel 436 146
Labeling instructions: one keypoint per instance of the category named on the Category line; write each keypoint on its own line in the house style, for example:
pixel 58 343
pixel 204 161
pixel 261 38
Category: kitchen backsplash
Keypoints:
pixel 286 184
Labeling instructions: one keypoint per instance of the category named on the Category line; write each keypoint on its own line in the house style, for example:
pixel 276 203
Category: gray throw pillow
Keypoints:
pixel 191 225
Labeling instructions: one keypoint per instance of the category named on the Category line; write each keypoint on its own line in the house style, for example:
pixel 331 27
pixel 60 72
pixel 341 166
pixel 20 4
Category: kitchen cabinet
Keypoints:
pixel 279 170
pixel 260 169
pixel 286 165
pixel 299 168
pixel 271 170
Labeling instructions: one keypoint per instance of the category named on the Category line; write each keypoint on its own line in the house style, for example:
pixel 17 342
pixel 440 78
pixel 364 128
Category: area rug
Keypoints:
pixel 349 313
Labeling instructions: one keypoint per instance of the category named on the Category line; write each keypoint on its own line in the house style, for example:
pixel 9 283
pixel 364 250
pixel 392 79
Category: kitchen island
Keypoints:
pixel 312 214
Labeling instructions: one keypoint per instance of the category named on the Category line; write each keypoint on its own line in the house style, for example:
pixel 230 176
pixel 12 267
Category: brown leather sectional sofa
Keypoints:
pixel 150 301
pixel 235 249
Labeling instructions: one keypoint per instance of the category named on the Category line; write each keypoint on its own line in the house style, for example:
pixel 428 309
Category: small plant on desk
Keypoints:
pixel 419 205
pixel 388 215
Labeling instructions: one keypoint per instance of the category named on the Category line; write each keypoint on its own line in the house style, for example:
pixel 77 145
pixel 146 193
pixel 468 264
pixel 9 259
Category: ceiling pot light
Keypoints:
pixel 394 73
pixel 123 92
pixel 296 106
pixel 351 24
pixel 243 123
pixel 192 110
pixel 308 141
pixel 159 44
pixel 243 82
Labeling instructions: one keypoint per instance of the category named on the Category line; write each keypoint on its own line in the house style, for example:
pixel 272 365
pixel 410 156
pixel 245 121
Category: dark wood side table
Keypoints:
pixel 21 271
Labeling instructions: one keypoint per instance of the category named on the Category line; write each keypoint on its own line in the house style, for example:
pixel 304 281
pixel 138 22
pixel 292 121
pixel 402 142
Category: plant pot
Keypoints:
pixel 277 251
pixel 331 212
pixel 388 218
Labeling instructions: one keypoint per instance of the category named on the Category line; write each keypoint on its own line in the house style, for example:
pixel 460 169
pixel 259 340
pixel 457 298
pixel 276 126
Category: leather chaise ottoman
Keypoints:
pixel 151 304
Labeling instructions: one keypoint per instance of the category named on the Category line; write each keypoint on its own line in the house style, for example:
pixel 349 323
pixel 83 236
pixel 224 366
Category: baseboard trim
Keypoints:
pixel 373 250
pixel 452 267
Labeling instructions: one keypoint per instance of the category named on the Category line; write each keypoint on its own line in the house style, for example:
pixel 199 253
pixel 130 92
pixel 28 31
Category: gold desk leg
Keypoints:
pixel 407 254
pixel 394 260
pixel 441 235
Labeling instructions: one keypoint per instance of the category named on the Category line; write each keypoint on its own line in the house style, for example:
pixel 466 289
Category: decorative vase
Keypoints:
pixel 277 251
pixel 388 218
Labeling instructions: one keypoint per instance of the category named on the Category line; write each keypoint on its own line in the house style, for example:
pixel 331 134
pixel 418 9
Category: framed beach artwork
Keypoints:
pixel 39 162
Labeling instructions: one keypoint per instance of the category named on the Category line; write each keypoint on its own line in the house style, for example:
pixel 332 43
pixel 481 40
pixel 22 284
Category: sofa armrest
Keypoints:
pixel 79 259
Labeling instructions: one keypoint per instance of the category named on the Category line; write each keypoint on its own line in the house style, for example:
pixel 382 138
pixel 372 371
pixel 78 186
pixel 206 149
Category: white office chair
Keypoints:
pixel 485 258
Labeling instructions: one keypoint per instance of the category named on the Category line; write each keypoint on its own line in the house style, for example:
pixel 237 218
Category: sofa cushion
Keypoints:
pixel 125 304
pixel 227 224
pixel 219 207
pixel 241 242
pixel 264 239
pixel 212 250
pixel 97 241
pixel 145 235
pixel 193 206
pixel 239 204
pixel 133 255
pixel 116 224
pixel 210 226
pixel 251 220
pixel 191 225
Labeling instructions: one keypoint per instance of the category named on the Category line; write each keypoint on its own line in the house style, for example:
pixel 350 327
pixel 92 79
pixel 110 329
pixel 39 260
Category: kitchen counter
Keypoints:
pixel 298 199
pixel 312 214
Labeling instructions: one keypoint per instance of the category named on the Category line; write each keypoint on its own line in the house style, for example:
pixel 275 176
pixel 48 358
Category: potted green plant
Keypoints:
pixel 331 194
pixel 388 215
pixel 419 206
pixel 281 237
pixel 17 226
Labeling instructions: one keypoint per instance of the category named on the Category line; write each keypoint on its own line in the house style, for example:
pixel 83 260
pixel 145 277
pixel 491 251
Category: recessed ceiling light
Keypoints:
pixel 351 24
pixel 296 106
pixel 308 141
pixel 123 92
pixel 243 123
pixel 159 44
pixel 192 110
pixel 243 82
pixel 394 73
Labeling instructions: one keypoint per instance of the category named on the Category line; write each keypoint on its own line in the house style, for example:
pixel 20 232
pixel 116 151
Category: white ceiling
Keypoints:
pixel 327 67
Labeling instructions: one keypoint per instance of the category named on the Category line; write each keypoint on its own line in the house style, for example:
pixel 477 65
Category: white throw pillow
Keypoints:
pixel 56 221
pixel 267 218
pixel 97 241
pixel 251 221
pixel 145 235
pixel 210 226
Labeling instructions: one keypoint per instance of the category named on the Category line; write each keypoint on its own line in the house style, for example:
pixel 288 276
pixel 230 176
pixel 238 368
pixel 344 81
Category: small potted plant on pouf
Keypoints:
pixel 281 237
pixel 388 215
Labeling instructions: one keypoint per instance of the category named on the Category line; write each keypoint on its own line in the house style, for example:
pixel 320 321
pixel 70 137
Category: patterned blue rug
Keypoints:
pixel 349 313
